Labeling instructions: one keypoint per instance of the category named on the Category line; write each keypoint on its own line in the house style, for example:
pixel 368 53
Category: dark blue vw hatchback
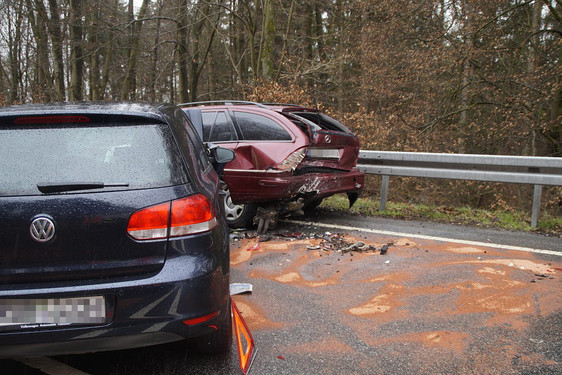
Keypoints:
pixel 112 233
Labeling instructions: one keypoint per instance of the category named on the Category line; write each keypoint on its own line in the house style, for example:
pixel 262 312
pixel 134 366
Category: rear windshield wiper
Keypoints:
pixel 73 186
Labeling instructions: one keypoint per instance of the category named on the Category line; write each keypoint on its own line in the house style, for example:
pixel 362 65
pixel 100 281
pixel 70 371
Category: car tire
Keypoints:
pixel 220 341
pixel 238 215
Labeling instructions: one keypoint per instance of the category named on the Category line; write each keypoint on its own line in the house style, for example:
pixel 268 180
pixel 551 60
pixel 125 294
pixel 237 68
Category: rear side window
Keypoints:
pixel 141 156
pixel 259 128
pixel 217 127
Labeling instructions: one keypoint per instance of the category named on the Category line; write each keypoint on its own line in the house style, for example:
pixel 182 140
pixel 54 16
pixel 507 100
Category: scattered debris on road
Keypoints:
pixel 240 288
pixel 384 249
pixel 254 247
pixel 329 242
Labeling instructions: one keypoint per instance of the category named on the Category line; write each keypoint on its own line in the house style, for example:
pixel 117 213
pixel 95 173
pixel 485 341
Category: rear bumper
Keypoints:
pixel 248 186
pixel 140 312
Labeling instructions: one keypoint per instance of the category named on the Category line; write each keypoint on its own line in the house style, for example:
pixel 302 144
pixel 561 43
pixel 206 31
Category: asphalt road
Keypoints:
pixel 426 306
pixel 524 239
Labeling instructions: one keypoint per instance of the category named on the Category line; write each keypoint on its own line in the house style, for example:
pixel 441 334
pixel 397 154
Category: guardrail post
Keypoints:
pixel 384 192
pixel 536 206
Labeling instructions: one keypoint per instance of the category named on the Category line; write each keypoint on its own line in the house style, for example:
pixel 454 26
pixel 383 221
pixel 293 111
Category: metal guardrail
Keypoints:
pixel 537 171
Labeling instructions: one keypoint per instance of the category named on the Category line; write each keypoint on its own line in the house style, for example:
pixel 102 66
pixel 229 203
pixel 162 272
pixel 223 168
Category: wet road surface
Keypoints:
pixel 424 307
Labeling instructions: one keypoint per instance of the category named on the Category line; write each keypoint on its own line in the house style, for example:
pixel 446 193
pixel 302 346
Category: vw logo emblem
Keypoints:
pixel 42 229
pixel 327 138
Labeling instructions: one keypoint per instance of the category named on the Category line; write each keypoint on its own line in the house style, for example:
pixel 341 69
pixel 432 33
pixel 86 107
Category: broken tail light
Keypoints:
pixel 181 217
pixel 292 161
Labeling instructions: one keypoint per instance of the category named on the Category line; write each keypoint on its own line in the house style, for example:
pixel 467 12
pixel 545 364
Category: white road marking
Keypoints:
pixel 50 366
pixel 433 238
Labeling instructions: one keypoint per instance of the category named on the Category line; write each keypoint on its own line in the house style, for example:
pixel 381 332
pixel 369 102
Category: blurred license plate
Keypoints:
pixel 32 313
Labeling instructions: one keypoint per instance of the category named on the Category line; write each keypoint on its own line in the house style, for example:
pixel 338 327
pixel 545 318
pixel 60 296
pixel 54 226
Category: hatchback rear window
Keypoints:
pixel 130 157
pixel 324 121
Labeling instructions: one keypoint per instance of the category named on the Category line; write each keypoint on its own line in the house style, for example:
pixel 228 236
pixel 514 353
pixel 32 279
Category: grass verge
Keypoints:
pixel 512 220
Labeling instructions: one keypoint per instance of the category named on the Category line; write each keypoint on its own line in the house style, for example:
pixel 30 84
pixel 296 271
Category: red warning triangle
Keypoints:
pixel 244 339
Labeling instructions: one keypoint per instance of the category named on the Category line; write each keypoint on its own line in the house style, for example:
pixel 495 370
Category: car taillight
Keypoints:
pixel 189 215
pixel 193 214
pixel 150 223
pixel 292 161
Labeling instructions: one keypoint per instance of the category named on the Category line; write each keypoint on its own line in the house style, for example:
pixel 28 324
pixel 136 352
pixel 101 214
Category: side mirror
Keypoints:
pixel 222 155
pixel 219 156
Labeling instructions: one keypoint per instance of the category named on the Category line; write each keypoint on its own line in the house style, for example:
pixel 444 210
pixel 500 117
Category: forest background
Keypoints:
pixel 455 76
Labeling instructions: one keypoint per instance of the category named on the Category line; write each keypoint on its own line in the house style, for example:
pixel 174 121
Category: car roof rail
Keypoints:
pixel 285 104
pixel 225 102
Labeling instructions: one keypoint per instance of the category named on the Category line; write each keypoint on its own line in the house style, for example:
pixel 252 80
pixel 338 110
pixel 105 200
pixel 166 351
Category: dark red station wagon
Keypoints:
pixel 288 158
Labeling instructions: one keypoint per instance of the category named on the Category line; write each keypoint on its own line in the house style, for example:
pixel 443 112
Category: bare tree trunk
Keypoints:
pixel 2 85
pixel 108 56
pixel 535 27
pixel 337 31
pixel 556 110
pixel 14 50
pixel 200 53
pixel 107 59
pixel 93 57
pixel 285 38
pixel 76 57
pixel 318 29
pixel 181 52
pixel 151 89
pixel 267 63
pixel 54 25
pixel 466 72
pixel 309 41
pixel 128 90
pixel 240 57
pixel 196 36
pixel 172 82
pixel 253 13
pixel 43 85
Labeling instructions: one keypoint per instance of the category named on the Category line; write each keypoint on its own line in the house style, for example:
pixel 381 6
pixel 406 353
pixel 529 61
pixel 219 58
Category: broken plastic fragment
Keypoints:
pixel 255 247
pixel 240 288
pixel 293 235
